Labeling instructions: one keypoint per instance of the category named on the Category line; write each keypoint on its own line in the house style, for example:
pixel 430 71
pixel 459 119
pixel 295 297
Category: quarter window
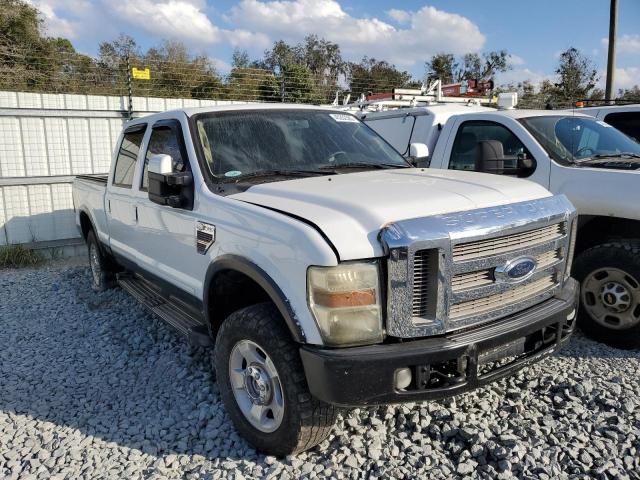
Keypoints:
pixel 626 122
pixel 126 161
pixel 465 146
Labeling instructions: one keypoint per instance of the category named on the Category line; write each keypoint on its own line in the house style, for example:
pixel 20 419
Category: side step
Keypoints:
pixel 176 315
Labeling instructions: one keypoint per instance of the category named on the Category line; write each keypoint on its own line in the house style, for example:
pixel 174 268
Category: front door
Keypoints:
pixel 165 236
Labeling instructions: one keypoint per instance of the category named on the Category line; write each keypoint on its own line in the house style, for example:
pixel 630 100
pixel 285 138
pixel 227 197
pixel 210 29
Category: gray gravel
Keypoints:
pixel 91 386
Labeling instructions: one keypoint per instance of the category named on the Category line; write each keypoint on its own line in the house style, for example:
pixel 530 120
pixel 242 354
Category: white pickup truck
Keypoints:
pixel 326 271
pixel 596 166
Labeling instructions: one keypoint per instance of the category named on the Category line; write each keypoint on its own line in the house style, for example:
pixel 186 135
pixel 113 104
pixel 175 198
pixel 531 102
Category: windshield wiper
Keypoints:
pixel 362 165
pixel 279 173
pixel 603 156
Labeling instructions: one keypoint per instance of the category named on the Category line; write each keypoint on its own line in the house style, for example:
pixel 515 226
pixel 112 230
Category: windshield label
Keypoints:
pixel 342 117
pixel 233 173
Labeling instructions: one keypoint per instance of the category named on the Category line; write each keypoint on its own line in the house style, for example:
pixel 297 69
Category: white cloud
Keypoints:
pixel 221 65
pixel 55 24
pixel 400 16
pixel 515 60
pixel 169 18
pixel 625 44
pixel 428 30
pixel 627 77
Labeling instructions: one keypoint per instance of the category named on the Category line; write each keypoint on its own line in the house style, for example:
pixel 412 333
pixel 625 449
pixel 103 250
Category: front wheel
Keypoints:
pixel 263 386
pixel 609 277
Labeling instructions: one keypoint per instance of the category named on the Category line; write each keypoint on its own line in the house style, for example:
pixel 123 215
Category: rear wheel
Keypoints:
pixel 609 277
pixel 263 386
pixel 102 277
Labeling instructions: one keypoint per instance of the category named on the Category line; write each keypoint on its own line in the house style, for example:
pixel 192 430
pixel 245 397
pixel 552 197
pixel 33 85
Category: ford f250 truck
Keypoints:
pixel 595 165
pixel 322 268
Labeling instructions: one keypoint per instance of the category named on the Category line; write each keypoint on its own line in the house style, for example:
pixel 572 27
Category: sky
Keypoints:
pixel 406 33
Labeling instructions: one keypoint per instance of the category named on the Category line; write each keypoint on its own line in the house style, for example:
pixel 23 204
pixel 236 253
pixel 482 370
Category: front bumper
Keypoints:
pixel 441 366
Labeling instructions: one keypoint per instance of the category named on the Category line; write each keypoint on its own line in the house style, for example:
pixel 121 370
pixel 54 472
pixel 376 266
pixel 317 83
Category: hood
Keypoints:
pixel 350 209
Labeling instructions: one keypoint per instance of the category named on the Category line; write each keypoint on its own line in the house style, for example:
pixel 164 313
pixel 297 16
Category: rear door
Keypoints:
pixel 165 236
pixel 120 201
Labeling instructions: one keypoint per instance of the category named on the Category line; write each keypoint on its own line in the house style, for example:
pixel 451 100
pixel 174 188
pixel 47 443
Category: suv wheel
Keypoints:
pixel 263 386
pixel 101 275
pixel 609 277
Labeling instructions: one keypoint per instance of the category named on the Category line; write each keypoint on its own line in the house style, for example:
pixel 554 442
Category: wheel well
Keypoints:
pixel 85 224
pixel 595 230
pixel 229 291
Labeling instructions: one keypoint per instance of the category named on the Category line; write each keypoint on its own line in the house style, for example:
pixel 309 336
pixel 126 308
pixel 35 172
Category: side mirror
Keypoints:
pixel 525 165
pixel 167 187
pixel 490 157
pixel 419 154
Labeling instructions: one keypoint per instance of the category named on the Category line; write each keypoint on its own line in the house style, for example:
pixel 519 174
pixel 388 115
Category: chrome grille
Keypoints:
pixel 441 270
pixel 500 300
pixel 508 243
pixel 465 281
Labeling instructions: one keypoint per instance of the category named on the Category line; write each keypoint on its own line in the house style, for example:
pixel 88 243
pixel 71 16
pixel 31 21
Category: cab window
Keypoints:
pixel 126 160
pixel 164 141
pixel 626 122
pixel 465 151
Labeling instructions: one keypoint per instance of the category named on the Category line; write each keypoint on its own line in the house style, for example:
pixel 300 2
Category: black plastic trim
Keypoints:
pixel 360 376
pixel 168 289
pixel 258 275
pixel 138 127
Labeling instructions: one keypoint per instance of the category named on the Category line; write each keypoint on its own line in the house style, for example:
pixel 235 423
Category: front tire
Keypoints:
pixel 263 386
pixel 101 275
pixel 609 276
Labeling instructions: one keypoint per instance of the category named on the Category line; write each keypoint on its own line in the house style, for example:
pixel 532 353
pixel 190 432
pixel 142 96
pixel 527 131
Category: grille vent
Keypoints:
pixel 205 236
pixel 425 264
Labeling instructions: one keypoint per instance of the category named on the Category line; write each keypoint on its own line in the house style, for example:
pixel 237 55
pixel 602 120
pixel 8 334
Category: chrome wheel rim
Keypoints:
pixel 256 386
pixel 612 298
pixel 94 263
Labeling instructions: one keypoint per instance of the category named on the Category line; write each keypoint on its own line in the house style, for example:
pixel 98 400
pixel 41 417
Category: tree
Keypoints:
pixel 577 77
pixel 441 66
pixel 371 75
pixel 630 95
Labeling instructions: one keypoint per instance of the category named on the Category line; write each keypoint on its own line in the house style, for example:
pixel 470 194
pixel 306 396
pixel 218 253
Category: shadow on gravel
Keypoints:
pixel 101 364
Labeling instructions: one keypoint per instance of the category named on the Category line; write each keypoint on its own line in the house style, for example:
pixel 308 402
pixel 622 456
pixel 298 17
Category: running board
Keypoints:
pixel 169 310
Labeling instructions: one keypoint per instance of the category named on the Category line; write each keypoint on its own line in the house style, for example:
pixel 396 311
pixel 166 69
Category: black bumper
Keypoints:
pixel 441 366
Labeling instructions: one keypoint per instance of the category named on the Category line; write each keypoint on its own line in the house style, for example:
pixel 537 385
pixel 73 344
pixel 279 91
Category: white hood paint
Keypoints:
pixel 352 208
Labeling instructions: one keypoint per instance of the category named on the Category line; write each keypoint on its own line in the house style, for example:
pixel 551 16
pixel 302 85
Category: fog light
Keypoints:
pixel 572 315
pixel 403 378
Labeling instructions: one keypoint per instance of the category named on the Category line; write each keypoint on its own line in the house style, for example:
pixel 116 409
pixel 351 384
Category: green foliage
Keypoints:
pixel 371 75
pixel 471 66
pixel 16 256
pixel 577 77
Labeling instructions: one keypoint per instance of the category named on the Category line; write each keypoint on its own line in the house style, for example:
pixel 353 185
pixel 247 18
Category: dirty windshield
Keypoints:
pixel 579 139
pixel 249 143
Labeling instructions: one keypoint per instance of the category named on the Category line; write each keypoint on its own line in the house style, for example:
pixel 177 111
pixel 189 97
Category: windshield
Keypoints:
pixel 572 139
pixel 242 143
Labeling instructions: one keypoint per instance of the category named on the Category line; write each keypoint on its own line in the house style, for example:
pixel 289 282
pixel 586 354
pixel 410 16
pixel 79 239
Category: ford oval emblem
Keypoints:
pixel 516 270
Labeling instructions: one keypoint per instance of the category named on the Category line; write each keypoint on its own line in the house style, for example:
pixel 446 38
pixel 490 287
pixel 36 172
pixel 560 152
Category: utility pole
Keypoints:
pixel 611 57
pixel 129 88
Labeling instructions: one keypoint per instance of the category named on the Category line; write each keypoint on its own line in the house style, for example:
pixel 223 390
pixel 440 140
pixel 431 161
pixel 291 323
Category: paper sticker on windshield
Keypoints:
pixel 604 124
pixel 232 173
pixel 342 117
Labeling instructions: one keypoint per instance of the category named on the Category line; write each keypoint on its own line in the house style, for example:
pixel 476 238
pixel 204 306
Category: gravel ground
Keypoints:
pixel 91 386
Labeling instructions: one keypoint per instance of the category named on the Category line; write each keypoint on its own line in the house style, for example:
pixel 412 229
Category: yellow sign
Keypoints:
pixel 140 74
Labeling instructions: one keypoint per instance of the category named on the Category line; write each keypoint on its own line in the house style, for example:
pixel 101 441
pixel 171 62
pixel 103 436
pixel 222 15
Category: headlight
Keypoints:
pixel 345 301
pixel 571 249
